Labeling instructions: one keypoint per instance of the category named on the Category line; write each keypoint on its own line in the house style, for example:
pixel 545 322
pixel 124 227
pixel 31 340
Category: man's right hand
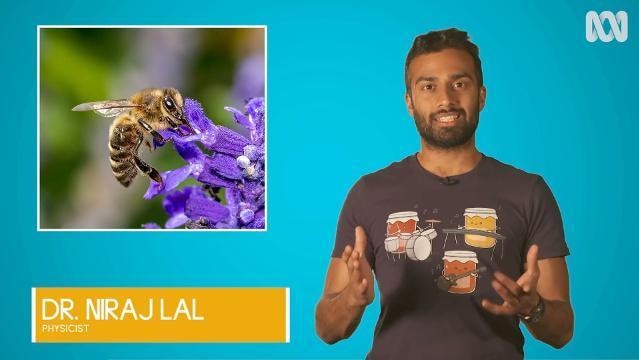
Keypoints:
pixel 347 292
pixel 359 290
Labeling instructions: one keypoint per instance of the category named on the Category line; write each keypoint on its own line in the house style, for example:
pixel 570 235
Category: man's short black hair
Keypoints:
pixel 436 41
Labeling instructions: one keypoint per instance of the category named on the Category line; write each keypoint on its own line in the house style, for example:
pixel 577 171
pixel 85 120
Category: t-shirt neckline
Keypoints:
pixel 475 171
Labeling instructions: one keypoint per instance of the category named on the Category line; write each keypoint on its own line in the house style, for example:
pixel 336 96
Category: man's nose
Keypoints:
pixel 446 98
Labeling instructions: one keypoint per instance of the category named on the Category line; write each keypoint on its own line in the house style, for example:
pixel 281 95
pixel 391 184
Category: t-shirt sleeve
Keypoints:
pixel 352 215
pixel 545 227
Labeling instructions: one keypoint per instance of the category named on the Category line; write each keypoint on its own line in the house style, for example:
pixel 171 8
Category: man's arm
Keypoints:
pixel 548 279
pixel 556 326
pixel 347 292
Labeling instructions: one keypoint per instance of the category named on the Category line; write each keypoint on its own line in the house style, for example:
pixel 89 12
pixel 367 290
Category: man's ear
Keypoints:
pixel 409 103
pixel 482 98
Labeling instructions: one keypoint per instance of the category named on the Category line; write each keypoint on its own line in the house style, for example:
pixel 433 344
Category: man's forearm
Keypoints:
pixel 335 319
pixel 556 326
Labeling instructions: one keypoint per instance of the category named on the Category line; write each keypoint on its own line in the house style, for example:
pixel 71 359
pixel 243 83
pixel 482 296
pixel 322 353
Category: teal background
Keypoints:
pixel 557 106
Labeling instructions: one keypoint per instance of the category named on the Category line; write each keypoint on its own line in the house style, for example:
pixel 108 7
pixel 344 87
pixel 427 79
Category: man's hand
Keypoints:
pixel 520 297
pixel 358 291
pixel 347 292
pixel 547 278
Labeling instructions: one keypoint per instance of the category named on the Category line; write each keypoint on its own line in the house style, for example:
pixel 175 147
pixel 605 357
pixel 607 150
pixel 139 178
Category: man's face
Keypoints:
pixel 445 98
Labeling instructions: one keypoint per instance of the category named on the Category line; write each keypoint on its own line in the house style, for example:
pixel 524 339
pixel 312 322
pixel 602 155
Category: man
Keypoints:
pixel 463 247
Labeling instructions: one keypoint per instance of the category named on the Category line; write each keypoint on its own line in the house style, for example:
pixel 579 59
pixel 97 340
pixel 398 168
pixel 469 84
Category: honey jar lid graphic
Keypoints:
pixel 402 216
pixel 481 212
pixel 462 256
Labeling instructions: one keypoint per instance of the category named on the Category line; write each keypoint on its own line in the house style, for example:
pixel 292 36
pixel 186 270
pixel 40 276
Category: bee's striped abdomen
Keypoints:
pixel 122 143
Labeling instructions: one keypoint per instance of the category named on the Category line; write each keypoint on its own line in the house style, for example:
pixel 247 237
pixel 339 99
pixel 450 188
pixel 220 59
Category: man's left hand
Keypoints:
pixel 520 297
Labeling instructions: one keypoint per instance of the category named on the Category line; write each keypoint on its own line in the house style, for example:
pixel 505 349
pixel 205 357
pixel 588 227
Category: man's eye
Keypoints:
pixel 460 85
pixel 428 87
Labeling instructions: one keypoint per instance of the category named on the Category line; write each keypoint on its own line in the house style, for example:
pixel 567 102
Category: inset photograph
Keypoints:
pixel 151 128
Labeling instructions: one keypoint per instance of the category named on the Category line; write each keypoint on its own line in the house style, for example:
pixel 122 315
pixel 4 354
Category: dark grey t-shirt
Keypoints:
pixel 421 230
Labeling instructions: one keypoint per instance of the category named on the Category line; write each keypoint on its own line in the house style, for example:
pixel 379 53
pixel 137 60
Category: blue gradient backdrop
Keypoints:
pixel 557 105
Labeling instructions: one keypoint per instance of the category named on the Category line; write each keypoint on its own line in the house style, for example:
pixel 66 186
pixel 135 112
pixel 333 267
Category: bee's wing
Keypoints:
pixel 108 108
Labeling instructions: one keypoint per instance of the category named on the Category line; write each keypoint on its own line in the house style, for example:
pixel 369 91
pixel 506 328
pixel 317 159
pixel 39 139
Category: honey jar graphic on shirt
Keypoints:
pixel 460 263
pixel 483 219
pixel 404 222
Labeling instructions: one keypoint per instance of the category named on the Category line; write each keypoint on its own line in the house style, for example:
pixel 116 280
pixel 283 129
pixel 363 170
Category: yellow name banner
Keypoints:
pixel 73 315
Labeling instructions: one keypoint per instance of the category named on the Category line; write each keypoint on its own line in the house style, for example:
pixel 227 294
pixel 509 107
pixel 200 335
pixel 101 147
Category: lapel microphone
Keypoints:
pixel 448 181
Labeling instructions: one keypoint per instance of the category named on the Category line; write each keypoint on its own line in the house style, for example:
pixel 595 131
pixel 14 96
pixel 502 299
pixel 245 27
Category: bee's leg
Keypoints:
pixel 172 123
pixel 157 138
pixel 149 170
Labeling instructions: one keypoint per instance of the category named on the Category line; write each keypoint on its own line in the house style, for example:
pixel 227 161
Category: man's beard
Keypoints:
pixel 450 136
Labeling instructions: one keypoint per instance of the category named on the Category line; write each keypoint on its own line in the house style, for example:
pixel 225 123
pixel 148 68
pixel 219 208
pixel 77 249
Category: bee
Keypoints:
pixel 138 121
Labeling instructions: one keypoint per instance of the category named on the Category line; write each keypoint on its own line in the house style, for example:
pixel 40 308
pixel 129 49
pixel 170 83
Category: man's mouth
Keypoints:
pixel 447 117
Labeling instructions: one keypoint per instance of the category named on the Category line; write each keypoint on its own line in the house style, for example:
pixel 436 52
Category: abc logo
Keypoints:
pixel 618 26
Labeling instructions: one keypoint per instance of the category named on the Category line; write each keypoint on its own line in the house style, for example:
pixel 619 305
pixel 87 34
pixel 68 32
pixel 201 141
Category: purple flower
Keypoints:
pixel 217 158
